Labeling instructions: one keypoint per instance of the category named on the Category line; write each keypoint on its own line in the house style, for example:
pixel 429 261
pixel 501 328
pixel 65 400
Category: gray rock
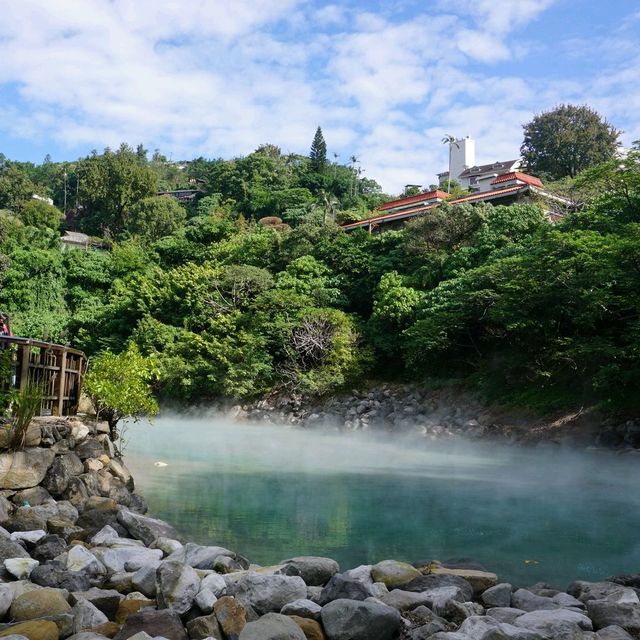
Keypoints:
pixel 56 577
pixel 48 548
pixel 199 557
pixel 498 596
pixel 566 601
pixel 272 626
pixel 353 620
pixel 215 583
pixel 145 528
pixel 89 448
pixel 267 593
pixel 177 585
pixel 314 570
pixel 405 600
pixel 26 519
pixel 432 581
pixel 613 633
pixel 458 612
pixel 30 537
pixel 484 628
pixel 205 600
pixel 164 622
pixel 11 549
pixel 560 624
pixel 80 559
pixel 505 614
pixel 106 600
pixel 623 614
pixel 585 591
pixel 34 496
pixel 86 616
pixel 204 627
pixel 24 469
pixel 61 471
pixel 166 545
pixel 356 584
pixel 444 635
pixel 144 580
pixel 7 594
pixel 303 608
pixel 127 558
pixel 527 601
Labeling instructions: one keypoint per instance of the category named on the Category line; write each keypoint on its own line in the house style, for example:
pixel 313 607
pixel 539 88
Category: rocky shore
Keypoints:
pixel 449 412
pixel 80 559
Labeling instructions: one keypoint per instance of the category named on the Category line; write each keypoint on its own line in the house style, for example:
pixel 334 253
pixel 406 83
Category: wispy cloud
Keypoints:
pixel 219 78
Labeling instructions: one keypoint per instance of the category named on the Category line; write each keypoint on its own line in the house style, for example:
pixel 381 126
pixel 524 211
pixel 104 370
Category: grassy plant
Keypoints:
pixel 25 407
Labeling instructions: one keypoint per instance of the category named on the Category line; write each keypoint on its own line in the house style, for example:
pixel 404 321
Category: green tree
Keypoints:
pixel 119 386
pixel 318 153
pixel 156 217
pixel 110 184
pixel 16 188
pixel 566 140
pixel 37 213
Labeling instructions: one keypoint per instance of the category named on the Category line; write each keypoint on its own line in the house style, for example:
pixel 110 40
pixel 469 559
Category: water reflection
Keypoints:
pixel 270 493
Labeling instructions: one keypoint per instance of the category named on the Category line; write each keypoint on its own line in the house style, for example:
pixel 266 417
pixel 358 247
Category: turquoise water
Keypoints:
pixel 272 492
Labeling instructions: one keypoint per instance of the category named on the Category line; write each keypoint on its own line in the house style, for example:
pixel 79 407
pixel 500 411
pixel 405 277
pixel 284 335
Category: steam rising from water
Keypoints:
pixel 271 492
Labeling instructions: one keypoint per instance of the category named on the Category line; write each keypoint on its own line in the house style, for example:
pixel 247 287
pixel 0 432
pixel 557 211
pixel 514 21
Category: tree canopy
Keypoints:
pixel 567 140
pixel 318 154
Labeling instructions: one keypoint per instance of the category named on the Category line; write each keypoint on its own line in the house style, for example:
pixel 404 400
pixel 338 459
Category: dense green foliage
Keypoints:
pixel 567 140
pixel 226 306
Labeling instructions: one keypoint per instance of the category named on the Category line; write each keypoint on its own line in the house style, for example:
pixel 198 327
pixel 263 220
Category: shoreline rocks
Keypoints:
pixel 80 559
pixel 444 413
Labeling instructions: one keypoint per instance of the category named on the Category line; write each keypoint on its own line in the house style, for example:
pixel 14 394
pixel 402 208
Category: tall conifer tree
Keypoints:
pixel 318 152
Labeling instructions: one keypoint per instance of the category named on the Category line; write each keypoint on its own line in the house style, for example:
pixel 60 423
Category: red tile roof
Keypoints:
pixel 516 175
pixel 421 197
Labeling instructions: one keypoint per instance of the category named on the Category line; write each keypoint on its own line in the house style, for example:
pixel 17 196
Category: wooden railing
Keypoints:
pixel 57 369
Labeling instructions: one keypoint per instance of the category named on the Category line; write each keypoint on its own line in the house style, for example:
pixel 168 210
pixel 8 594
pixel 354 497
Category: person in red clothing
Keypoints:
pixel 5 328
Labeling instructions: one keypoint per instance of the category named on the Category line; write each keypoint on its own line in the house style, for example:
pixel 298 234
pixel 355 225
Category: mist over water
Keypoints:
pixel 274 492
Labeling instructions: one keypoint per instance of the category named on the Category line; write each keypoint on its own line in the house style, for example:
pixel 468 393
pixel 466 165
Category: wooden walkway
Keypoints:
pixel 56 368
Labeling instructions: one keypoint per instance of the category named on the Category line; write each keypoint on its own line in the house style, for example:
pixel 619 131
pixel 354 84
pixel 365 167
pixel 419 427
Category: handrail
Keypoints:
pixel 56 368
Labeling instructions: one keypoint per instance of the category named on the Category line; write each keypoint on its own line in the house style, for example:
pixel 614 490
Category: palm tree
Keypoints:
pixel 450 140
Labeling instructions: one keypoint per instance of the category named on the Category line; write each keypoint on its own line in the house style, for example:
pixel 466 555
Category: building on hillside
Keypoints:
pixel 75 240
pixel 505 189
pixel 181 195
pixel 465 171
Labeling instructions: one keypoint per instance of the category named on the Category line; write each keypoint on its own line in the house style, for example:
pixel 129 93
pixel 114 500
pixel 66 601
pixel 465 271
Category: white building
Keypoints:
pixel 465 171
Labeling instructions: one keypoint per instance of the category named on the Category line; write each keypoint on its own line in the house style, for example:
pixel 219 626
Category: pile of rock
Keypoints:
pixel 404 408
pixel 80 559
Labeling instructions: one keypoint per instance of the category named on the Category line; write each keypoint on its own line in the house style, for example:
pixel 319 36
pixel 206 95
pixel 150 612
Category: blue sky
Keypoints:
pixel 386 80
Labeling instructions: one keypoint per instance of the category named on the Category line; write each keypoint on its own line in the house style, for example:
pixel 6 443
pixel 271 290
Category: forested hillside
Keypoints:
pixel 229 300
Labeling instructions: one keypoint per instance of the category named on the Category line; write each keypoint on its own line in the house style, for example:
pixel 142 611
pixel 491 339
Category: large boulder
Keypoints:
pixel 86 616
pixel 204 627
pixel 165 623
pixel 231 615
pixel 56 577
pixel 354 620
pixel 127 558
pixel 485 628
pixel 623 614
pixel 198 556
pixel 498 596
pixel 406 600
pixel 355 584
pixel 64 467
pixel 145 528
pixel 560 623
pixel 432 581
pixel 613 633
pixel 33 630
pixel 303 609
pixel 393 573
pixel 11 549
pixel 80 559
pixel 37 604
pixel 267 593
pixel 24 469
pixel 528 601
pixel 314 570
pixel 272 626
pixel 177 585
pixel 106 600
pixel 585 591
pixel 479 580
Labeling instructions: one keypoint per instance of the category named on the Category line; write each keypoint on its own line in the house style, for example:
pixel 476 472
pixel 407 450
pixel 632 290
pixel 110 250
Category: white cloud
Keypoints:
pixel 219 78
